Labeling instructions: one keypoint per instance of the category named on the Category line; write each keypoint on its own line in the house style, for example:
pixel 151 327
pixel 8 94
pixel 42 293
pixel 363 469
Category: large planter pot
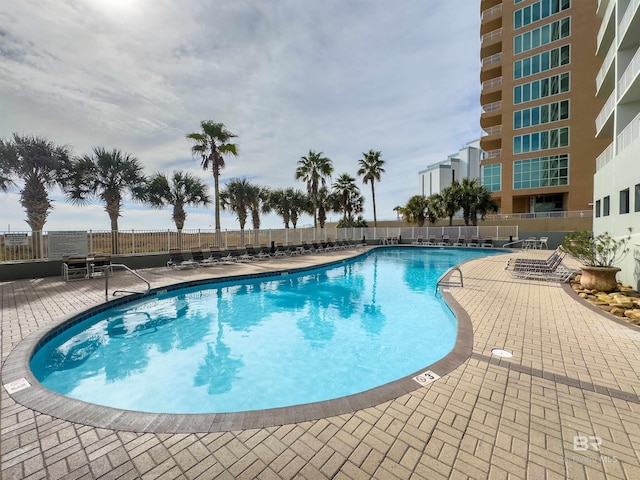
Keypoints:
pixel 602 279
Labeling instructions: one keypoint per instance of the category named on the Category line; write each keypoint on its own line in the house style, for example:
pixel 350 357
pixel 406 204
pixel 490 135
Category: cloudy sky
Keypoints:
pixel 286 76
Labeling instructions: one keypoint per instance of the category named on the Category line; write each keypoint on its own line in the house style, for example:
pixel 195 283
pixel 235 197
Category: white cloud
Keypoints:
pixel 341 77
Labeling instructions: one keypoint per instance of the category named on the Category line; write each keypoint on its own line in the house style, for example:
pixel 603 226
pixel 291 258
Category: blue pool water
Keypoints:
pixel 261 343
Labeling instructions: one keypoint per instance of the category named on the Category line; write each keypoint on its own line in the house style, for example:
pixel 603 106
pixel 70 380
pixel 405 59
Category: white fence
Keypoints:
pixel 23 246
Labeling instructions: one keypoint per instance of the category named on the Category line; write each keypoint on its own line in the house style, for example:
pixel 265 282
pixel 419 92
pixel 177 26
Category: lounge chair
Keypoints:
pixel 306 248
pixel 98 264
pixel 281 251
pixel 487 242
pixel 460 242
pixel 247 256
pixel 177 260
pixel 475 242
pixel 204 261
pixel 74 268
pixel 232 255
pixel 523 262
pixel 432 240
pixel 444 242
pixel 556 272
pixel 317 247
pixel 418 241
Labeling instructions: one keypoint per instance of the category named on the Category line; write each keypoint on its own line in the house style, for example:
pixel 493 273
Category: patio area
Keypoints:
pixel 566 405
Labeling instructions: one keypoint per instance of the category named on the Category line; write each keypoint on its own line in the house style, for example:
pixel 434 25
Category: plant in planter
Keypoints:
pixel 598 256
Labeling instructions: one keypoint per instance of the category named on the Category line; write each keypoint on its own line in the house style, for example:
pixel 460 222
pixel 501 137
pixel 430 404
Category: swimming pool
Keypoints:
pixel 261 343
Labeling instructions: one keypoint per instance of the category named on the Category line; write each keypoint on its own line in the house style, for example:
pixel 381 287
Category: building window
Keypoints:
pixel 624 201
pixel 541 88
pixel 605 206
pixel 541 36
pixel 530 117
pixel 492 177
pixel 637 198
pixel 532 142
pixel 537 11
pixel 541 62
pixel 541 172
pixel 597 208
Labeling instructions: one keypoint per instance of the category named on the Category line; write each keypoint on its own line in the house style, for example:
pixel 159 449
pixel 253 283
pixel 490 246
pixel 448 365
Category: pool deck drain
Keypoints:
pixel 574 375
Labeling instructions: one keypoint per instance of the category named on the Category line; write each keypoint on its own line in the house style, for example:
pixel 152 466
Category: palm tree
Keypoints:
pixel 210 145
pixel 108 176
pixel 370 169
pixel 325 202
pixel 348 194
pixel 482 205
pixel 299 203
pixel 314 169
pixel 183 189
pixel 40 165
pixel 449 200
pixel 420 209
pixel 257 202
pixel 235 197
pixel 280 202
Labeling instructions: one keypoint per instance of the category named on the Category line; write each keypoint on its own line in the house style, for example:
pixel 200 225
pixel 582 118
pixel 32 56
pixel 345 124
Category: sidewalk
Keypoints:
pixel 566 404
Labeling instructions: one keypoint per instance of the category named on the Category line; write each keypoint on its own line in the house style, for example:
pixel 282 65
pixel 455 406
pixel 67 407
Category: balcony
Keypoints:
pixel 605 117
pixel 629 135
pixel 491 37
pixel 495 130
pixel 606 32
pixel 493 154
pixel 629 84
pixel 493 83
pixel 605 157
pixel 491 13
pixel 606 74
pixel 492 60
pixel 602 6
pixel 629 27
pixel 492 107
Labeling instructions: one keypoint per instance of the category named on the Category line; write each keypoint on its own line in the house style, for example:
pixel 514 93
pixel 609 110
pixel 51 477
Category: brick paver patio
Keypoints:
pixel 566 404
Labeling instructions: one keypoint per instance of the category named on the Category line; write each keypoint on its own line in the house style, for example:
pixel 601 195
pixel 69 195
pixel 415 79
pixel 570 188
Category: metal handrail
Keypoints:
pixel 121 265
pixel 449 284
pixel 513 243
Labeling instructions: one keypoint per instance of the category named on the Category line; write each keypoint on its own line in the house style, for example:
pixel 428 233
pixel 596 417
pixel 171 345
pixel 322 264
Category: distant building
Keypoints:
pixel 538 104
pixel 463 164
pixel 616 199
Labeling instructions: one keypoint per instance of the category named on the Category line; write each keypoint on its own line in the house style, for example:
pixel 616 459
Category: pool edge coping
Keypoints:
pixel 38 398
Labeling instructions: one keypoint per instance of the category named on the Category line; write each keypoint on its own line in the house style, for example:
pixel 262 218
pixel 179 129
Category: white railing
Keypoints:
pixel 606 66
pixel 489 12
pixel 495 130
pixel 497 153
pixel 522 216
pixel 605 157
pixel 630 133
pixel 495 58
pixel 629 74
pixel 494 82
pixel 134 242
pixel 490 107
pixel 606 112
pixel 491 35
pixel 602 4
pixel 626 19
pixel 606 18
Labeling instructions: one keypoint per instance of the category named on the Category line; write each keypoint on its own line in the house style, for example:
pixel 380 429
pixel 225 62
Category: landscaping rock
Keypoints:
pixel 617 311
pixel 632 314
pixel 624 302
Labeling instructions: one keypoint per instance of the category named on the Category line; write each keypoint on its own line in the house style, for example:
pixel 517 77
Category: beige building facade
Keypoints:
pixel 538 100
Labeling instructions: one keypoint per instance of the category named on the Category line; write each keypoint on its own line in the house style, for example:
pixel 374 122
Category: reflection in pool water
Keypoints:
pixel 261 343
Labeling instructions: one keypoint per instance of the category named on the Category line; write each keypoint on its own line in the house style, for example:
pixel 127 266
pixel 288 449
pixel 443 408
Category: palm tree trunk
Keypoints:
pixel 373 197
pixel 216 181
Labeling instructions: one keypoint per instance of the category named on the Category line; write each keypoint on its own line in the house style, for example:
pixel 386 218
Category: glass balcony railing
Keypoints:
pixel 606 112
pixel 492 12
pixel 491 107
pixel 629 74
pixel 493 154
pixel 492 35
pixel 495 130
pixel 494 82
pixel 605 157
pixel 492 59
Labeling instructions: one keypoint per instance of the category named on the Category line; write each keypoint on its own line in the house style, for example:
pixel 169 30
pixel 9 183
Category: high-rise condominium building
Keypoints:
pixel 538 73
pixel 616 199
